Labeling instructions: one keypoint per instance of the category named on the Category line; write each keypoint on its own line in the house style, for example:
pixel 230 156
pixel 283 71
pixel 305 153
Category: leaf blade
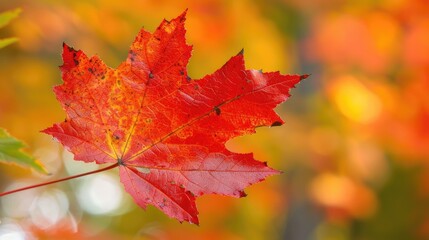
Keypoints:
pixel 154 189
pixel 224 173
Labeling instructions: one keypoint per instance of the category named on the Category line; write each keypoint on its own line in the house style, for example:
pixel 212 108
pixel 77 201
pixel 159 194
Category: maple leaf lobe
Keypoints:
pixel 167 132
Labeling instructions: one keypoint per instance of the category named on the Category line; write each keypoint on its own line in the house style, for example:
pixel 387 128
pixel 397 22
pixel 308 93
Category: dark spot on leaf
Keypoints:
pixel 91 70
pixel 116 137
pixel 151 75
pixel 181 186
pixel 188 79
pixel 182 19
pixel 163 203
pixel 181 72
pixel 276 124
pixel 157 38
pixel 132 55
pixel 217 110
pixel 76 62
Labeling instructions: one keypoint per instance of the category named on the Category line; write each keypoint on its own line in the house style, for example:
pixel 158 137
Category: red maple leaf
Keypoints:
pixel 164 131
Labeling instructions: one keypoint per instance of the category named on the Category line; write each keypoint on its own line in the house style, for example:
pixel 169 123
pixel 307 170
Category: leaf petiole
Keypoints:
pixel 59 180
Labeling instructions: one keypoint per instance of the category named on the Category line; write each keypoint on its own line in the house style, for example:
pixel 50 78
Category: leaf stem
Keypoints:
pixel 59 180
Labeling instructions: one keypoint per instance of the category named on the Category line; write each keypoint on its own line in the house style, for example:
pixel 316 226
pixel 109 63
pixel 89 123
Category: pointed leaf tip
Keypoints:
pixel 302 77
pixel 11 152
pixel 242 194
pixel 70 57
pixel 184 13
pixel 68 49
pixel 182 17
pixel 277 123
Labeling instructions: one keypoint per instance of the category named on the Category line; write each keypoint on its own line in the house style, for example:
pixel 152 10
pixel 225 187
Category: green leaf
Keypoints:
pixel 10 153
pixel 6 41
pixel 6 17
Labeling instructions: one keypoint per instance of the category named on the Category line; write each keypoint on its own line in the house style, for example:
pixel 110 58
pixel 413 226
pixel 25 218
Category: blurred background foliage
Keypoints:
pixel 354 149
pixel 5 18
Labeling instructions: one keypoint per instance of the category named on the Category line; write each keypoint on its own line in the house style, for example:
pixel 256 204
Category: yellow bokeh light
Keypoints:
pixel 355 100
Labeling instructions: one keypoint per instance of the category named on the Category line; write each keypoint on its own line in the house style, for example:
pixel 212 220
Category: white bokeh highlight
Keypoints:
pixel 100 194
pixel 17 205
pixel 12 231
pixel 49 208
